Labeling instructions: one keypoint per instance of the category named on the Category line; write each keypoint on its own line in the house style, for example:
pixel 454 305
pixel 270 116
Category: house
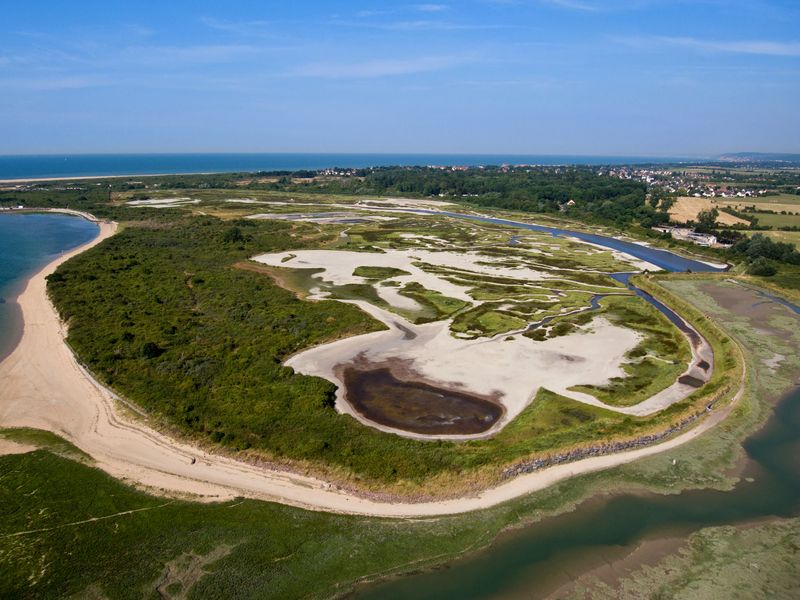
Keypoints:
pixel 689 235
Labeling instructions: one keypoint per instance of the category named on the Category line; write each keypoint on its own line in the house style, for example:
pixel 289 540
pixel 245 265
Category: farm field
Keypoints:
pixel 687 208
pixel 778 222
pixel 792 237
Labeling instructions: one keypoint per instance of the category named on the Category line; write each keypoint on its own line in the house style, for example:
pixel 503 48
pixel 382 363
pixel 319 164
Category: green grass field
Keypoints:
pixel 792 237
pixel 775 199
pixel 778 221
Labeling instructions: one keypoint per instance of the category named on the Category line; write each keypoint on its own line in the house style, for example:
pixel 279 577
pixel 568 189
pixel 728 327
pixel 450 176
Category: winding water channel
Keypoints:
pixel 664 259
pixel 538 559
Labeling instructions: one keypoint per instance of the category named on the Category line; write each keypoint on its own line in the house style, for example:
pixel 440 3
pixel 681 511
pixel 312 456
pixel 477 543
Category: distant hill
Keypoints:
pixel 760 157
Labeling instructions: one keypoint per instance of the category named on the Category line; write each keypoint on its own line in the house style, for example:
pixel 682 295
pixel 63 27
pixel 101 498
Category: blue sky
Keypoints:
pixel 644 77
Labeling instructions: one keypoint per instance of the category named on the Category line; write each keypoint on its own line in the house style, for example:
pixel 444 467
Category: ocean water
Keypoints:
pixel 27 243
pixel 86 165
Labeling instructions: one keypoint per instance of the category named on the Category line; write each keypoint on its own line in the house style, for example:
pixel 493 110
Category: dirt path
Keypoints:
pixel 44 387
pixel 86 521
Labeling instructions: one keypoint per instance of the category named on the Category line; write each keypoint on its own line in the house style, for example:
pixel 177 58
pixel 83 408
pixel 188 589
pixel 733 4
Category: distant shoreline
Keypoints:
pixel 96 177
pixel 29 168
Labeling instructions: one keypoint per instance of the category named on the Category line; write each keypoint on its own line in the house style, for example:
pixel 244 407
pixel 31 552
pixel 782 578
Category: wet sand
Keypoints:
pixel 416 406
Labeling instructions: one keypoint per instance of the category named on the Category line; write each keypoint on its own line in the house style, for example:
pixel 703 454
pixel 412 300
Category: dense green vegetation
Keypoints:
pixel 762 246
pixel 51 548
pixel 378 273
pixel 77 196
pixel 579 191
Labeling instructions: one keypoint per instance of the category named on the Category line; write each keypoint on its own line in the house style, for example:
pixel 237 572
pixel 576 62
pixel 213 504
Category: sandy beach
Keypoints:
pixel 93 177
pixel 45 387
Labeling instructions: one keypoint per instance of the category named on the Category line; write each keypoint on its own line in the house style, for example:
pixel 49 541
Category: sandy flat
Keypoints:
pixel 512 370
pixel 44 387
pixel 509 367
pixel 164 202
pixel 10 447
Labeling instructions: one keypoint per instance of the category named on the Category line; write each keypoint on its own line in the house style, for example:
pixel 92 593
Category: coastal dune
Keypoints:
pixel 45 387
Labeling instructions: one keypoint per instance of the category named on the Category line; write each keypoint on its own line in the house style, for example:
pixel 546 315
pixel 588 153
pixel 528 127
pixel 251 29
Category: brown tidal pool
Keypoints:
pixel 416 406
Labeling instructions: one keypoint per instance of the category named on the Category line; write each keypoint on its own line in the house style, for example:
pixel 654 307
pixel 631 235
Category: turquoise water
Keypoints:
pixel 27 243
pixel 85 165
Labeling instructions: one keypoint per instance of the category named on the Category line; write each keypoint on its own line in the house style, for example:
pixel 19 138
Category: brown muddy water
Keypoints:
pixel 417 406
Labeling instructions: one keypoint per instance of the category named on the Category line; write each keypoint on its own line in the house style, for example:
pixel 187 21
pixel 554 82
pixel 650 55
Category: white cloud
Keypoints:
pixel 765 47
pixel 757 47
pixel 431 7
pixel 201 54
pixel 139 30
pixel 256 27
pixel 378 67
pixel 55 83
pixel 573 5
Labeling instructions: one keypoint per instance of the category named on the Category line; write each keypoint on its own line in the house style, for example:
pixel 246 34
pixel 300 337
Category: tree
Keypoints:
pixel 234 234
pixel 761 267
pixel 707 220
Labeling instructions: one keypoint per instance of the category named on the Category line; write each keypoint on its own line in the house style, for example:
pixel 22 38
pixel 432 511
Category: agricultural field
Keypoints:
pixel 792 237
pixel 778 221
pixel 687 209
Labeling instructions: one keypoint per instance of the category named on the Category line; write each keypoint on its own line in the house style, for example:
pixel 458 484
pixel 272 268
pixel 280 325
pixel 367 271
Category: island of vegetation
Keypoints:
pixel 377 332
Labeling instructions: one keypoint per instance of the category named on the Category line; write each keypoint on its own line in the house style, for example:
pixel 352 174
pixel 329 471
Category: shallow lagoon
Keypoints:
pixel 27 243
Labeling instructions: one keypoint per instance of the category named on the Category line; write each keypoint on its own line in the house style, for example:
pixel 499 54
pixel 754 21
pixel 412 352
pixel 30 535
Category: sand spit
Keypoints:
pixel 44 387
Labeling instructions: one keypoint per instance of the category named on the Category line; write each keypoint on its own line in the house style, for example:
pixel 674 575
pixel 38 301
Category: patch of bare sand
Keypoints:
pixel 10 447
pixel 509 369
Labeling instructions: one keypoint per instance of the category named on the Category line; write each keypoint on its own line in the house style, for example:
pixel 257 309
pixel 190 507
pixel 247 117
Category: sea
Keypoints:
pixel 27 243
pixel 95 165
